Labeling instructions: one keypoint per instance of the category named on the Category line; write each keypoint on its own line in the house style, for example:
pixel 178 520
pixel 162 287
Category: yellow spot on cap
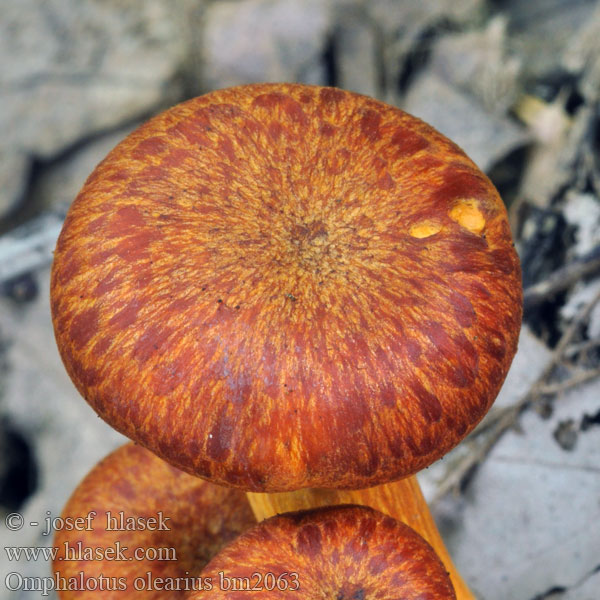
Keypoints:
pixel 467 214
pixel 425 229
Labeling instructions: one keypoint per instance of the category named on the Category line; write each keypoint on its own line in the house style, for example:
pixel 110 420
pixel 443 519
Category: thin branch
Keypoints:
pixel 582 347
pixel 563 386
pixel 455 479
pixel 487 435
pixel 562 279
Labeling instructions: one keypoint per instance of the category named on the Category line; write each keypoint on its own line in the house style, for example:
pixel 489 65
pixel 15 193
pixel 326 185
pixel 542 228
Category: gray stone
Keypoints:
pixel 485 137
pixel 265 40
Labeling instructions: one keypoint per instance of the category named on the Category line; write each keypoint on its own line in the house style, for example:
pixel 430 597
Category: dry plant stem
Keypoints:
pixel 453 480
pixel 581 347
pixel 503 419
pixel 562 279
pixel 563 386
pixel 402 500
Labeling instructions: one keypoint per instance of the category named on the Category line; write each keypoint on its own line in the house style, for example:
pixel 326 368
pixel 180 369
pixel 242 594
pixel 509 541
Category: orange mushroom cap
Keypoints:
pixel 144 517
pixel 342 552
pixel 279 286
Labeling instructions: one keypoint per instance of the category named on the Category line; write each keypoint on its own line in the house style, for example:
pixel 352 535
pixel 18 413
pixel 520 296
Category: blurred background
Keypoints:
pixel 516 84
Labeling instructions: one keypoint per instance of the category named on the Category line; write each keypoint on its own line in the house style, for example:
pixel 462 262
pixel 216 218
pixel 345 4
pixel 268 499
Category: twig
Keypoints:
pixel 562 279
pixel 562 386
pixel 29 247
pixel 581 347
pixel 494 415
pixel 454 480
pixel 487 435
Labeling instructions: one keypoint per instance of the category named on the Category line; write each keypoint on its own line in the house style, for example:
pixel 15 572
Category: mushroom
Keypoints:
pixel 135 523
pixel 342 552
pixel 283 287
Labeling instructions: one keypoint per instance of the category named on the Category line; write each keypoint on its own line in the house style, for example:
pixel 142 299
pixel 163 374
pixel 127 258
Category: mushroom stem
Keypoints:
pixel 402 500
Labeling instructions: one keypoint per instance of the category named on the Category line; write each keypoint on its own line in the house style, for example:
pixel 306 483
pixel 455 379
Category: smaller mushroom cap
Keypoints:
pixel 162 520
pixel 344 552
